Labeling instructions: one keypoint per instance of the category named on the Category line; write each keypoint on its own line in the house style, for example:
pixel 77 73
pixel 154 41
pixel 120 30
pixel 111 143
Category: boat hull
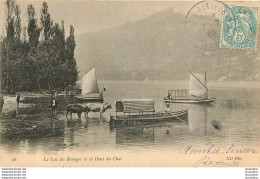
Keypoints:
pixel 149 119
pixel 191 101
pixel 79 99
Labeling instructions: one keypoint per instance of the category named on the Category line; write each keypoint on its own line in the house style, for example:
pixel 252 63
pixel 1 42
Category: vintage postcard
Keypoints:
pixel 129 84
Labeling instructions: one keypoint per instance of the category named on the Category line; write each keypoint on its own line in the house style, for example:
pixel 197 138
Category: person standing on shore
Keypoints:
pixel 18 99
pixel 1 103
pixel 53 105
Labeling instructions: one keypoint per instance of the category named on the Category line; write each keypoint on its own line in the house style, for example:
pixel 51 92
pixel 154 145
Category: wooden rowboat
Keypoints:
pixel 140 112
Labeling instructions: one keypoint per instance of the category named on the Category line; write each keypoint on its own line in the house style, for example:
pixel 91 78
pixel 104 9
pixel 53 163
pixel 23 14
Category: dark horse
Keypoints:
pixel 76 108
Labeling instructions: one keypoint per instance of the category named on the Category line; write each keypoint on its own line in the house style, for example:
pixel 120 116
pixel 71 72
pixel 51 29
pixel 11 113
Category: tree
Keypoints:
pixel 7 42
pixel 10 19
pixel 58 43
pixel 70 44
pixel 18 27
pixel 46 22
pixel 33 30
pixel 29 63
pixel 72 74
pixel 45 63
pixel 59 40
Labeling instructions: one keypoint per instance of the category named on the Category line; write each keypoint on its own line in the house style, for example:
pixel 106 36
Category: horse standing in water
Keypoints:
pixel 76 108
pixel 94 107
pixel 89 107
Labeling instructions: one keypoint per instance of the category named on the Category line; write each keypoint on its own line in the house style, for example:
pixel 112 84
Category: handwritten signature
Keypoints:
pixel 214 150
pixel 207 162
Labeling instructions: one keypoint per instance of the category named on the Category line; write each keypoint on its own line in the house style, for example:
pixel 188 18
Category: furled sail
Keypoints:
pixel 89 83
pixel 198 85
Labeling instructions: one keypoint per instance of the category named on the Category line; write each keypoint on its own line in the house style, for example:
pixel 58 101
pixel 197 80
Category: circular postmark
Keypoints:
pixel 204 22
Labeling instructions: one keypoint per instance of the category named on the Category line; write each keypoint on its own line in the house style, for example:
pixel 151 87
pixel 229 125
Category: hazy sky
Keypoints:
pixel 88 16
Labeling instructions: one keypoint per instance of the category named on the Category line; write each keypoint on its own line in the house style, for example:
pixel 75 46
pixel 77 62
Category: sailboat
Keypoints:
pixel 197 88
pixel 90 90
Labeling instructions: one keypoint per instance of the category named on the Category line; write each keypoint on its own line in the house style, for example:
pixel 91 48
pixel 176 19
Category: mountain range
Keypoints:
pixel 158 48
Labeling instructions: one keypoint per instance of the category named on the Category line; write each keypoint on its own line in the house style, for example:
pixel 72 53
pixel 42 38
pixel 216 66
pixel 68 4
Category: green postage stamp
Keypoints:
pixel 241 32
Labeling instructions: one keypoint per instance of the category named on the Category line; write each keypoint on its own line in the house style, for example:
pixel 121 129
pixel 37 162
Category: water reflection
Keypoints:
pixel 232 119
pixel 70 139
pixel 198 119
pixel 202 121
pixel 134 135
pixel 157 136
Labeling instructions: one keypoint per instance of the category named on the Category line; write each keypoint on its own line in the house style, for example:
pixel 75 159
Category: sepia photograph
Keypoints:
pixel 129 84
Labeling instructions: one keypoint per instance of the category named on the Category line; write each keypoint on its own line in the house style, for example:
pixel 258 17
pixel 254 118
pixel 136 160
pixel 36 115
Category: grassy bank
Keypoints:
pixel 32 119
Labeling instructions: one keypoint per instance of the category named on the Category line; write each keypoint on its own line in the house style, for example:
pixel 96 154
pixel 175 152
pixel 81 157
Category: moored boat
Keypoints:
pixel 139 112
pixel 197 88
pixel 90 91
pixel 191 101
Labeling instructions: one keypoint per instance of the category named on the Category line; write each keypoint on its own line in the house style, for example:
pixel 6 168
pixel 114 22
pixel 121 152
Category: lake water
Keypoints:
pixel 236 113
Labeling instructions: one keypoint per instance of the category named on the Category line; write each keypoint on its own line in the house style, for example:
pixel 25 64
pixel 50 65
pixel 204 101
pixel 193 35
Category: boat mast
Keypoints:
pixel 1 77
pixel 206 85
